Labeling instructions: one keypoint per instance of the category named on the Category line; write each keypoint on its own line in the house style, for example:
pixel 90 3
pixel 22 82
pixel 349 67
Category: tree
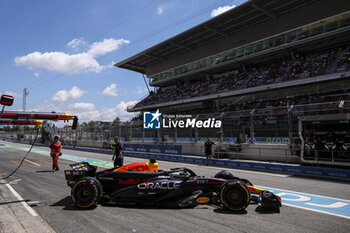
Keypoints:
pixel 116 122
pixel 89 126
pixel 84 125
pixel 7 128
pixel 114 127
pixel 16 128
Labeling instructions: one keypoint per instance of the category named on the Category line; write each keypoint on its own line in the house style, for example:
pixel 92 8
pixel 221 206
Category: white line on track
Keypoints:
pixel 319 211
pixel 30 210
pixel 30 203
pixel 15 181
pixel 310 209
pixel 303 193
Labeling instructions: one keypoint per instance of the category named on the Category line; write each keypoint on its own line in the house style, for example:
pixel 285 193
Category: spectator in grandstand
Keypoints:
pixel 344 61
pixel 280 70
pixel 311 143
pixel 330 137
pixel 208 149
pixel 343 150
pixel 330 143
pixel 346 138
pixel 315 139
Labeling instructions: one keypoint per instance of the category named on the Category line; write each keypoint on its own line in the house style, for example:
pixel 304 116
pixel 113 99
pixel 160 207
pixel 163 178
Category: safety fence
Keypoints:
pixel 272 125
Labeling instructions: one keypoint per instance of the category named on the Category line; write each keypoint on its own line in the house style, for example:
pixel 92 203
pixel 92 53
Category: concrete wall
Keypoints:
pixel 268 152
pixel 258 152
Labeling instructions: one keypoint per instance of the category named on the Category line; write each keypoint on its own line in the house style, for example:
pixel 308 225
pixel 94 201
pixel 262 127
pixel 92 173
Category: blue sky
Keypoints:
pixel 63 51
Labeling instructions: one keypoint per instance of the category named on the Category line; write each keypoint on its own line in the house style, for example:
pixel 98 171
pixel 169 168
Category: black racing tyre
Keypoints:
pixel 86 192
pixel 234 195
pixel 225 175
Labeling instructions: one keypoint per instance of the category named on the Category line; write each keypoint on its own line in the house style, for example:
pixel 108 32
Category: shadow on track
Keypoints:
pixel 68 204
pixel 225 211
pixel 145 206
pixel 259 210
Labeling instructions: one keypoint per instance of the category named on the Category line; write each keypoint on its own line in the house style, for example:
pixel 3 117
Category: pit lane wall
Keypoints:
pixel 270 149
pixel 259 151
pixel 294 169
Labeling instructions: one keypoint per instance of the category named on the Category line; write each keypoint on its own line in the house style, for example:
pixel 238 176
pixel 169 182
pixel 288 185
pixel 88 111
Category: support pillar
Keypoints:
pixel 252 126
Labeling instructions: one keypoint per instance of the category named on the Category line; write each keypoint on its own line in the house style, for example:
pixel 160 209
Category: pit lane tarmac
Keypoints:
pixel 54 205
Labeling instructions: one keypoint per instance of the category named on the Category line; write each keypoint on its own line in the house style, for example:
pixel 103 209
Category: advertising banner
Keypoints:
pixel 165 149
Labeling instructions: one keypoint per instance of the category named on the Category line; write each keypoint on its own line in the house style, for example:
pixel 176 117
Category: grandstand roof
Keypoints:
pixel 241 17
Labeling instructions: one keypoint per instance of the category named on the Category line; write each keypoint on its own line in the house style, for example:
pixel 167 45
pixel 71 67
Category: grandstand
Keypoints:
pixel 260 67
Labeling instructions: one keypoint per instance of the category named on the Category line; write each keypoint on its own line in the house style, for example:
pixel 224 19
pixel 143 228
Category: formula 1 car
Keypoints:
pixel 144 184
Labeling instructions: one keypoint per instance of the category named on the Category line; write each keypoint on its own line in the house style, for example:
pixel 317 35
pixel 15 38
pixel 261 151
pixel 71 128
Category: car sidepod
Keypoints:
pixel 153 191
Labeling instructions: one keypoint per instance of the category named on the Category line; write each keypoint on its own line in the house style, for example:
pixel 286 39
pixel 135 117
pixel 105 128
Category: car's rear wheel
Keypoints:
pixel 86 192
pixel 234 195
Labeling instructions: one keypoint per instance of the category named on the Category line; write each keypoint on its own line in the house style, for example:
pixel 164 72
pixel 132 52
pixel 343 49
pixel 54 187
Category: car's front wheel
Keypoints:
pixel 234 195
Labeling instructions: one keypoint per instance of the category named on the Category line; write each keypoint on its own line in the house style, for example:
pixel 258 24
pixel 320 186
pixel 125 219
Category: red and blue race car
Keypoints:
pixel 144 184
